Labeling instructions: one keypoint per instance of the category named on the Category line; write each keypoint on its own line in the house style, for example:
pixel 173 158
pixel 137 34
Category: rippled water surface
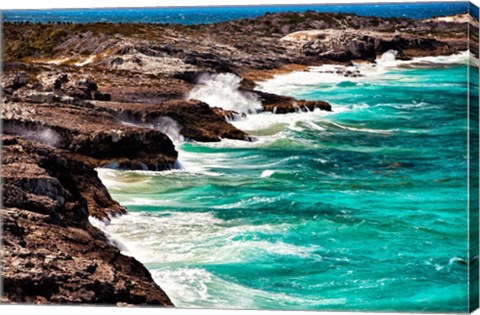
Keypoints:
pixel 363 208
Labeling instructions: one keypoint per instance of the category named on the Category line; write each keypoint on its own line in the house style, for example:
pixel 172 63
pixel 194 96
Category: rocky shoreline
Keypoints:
pixel 51 253
pixel 78 97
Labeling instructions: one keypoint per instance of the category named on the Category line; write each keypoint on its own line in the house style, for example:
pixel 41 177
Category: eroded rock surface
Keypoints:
pixel 51 253
pixel 97 135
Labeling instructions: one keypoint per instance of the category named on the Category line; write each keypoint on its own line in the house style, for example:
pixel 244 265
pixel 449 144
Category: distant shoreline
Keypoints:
pixel 214 14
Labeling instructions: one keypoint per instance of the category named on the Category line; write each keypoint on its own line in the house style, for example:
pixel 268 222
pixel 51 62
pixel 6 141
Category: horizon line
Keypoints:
pixel 188 6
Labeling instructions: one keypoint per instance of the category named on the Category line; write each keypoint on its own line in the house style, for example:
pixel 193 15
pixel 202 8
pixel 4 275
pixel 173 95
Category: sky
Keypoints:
pixel 49 4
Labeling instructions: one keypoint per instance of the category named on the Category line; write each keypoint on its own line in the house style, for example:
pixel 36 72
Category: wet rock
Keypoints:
pixel 228 114
pixel 284 104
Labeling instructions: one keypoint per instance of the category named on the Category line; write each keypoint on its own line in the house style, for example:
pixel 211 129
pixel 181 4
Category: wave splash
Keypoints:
pixel 222 90
pixel 169 127
pixel 389 60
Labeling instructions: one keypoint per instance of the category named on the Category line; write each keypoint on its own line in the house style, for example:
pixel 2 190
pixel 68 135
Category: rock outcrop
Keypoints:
pixel 99 136
pixel 234 46
pixel 283 104
pixel 51 253
pixel 194 120
pixel 346 45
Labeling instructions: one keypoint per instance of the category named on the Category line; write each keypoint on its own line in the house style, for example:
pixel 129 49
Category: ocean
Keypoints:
pixel 362 208
pixel 198 15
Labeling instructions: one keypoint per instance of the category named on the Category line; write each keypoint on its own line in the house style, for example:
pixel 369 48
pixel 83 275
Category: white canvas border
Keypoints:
pixel 80 310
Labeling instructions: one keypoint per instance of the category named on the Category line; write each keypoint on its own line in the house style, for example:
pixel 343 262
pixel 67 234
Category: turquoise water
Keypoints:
pixel 364 208
pixel 197 15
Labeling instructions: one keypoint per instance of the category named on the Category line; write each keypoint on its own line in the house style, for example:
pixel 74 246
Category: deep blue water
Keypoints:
pixel 364 208
pixel 199 15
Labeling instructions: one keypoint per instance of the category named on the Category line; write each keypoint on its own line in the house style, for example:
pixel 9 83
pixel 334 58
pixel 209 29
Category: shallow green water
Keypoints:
pixel 360 209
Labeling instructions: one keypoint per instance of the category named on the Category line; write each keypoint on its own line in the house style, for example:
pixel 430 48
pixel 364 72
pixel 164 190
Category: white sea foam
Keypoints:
pixel 474 61
pixel 192 237
pixel 135 201
pixel 196 287
pixel 389 60
pixel 267 173
pixel 185 286
pixel 324 76
pixel 363 129
pixel 264 121
pixel 408 106
pixel 250 201
pixel 114 179
pixel 168 241
pixel 112 239
pixel 194 163
pixel 221 90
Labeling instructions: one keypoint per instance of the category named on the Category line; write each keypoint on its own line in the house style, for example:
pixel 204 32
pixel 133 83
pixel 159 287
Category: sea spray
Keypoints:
pixel 222 90
pixel 169 127
pixel 112 239
pixel 387 59
pixel 46 136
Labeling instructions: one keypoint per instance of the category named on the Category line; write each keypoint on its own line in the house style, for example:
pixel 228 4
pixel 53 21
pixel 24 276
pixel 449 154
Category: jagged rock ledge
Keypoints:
pixel 51 253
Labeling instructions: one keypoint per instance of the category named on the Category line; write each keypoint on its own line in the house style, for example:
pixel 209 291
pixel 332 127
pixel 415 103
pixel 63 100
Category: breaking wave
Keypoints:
pixel 221 90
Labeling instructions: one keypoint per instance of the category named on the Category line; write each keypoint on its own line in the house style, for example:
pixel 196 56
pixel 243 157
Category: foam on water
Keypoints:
pixel 298 218
pixel 213 292
pixel 191 237
pixel 257 123
pixel 363 129
pixel 267 173
pixel 113 179
pixel 373 73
